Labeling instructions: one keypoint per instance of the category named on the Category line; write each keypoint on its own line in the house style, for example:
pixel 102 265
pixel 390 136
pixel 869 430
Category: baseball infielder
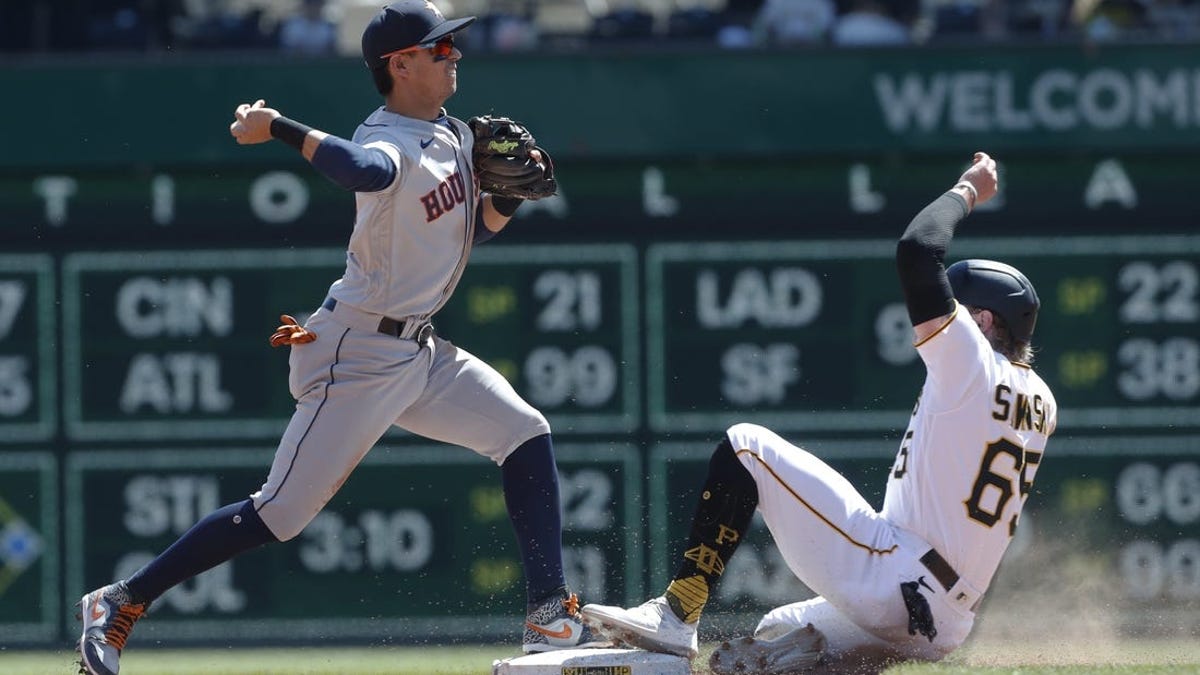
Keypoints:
pixel 372 360
pixel 903 583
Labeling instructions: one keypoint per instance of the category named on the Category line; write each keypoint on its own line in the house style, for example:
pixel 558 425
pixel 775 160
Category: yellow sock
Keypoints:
pixel 687 597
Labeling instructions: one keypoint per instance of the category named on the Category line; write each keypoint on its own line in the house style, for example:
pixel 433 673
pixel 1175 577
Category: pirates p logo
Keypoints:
pixel 706 560
pixel 727 534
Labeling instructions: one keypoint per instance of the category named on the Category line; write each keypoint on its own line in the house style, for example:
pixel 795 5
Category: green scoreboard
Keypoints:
pixel 797 335
pixel 171 344
pixel 138 392
pixel 417 543
pixel 683 280
pixel 815 335
pixel 28 375
pixel 29 546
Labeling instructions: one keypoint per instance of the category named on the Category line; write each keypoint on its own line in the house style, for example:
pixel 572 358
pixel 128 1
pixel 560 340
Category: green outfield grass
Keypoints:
pixel 460 660
pixel 1174 657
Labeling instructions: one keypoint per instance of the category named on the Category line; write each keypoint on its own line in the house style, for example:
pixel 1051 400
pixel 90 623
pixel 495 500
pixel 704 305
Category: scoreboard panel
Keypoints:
pixel 172 344
pixel 417 543
pixel 29 546
pixel 562 324
pixel 28 373
pixel 815 335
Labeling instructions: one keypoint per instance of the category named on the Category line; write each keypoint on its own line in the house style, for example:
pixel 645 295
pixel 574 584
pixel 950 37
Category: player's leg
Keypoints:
pixel 847 646
pixel 830 537
pixel 835 543
pixel 785 638
pixel 343 407
pixel 347 400
pixel 108 613
pixel 468 403
pixel 722 516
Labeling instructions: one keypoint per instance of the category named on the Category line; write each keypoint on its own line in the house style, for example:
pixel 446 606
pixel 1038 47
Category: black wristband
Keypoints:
pixel 506 206
pixel 289 131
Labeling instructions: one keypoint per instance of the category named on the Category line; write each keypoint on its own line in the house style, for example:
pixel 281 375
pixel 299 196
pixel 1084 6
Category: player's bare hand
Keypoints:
pixel 982 176
pixel 291 333
pixel 252 122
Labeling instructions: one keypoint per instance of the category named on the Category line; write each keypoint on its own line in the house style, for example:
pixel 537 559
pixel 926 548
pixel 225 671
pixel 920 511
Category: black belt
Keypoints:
pixel 941 570
pixel 390 326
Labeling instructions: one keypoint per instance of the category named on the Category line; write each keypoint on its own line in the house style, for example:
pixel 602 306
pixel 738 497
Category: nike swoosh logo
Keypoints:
pixel 564 634
pixel 97 612
pixel 425 144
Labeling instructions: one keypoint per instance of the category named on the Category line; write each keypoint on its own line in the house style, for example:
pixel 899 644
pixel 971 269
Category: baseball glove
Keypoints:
pixel 508 161
pixel 291 333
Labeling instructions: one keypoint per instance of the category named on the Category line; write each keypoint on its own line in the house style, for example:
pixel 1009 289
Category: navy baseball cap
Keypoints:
pixel 405 24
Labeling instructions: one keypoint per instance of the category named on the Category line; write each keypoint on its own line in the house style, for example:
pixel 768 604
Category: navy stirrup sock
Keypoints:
pixel 530 480
pixel 217 537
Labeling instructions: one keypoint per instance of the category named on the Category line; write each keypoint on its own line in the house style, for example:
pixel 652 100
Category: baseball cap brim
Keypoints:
pixel 447 27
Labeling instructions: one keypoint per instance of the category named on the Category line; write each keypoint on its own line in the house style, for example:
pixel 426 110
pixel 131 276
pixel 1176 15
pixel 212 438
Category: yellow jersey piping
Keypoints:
pixel 815 512
pixel 941 327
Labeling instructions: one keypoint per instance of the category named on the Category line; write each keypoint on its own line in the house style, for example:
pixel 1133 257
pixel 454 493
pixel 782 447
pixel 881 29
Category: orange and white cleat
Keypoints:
pixel 556 624
pixel 108 615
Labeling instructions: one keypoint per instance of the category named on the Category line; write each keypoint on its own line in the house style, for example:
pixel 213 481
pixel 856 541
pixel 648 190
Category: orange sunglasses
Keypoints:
pixel 442 48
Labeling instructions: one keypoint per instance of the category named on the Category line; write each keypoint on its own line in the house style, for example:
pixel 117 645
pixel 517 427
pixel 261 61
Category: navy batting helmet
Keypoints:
pixel 999 287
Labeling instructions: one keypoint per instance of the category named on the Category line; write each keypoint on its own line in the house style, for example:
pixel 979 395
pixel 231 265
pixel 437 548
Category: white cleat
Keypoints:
pixel 774 652
pixel 651 626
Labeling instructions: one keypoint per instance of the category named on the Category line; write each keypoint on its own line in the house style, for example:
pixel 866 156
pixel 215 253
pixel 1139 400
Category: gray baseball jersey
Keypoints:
pixel 411 240
pixel 406 254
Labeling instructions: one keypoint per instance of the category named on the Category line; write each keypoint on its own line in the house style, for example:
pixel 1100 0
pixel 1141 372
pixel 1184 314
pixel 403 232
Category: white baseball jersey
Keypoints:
pixel 956 487
pixel 971 450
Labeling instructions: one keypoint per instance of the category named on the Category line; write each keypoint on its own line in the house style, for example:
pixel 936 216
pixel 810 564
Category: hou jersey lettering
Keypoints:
pixel 412 270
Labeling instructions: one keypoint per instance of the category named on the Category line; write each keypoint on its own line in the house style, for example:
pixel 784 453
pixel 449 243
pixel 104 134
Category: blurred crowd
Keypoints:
pixel 327 27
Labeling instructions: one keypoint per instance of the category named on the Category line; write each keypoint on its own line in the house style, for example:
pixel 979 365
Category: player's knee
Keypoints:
pixel 284 525
pixel 781 619
pixel 285 529
pixel 533 426
pixel 255 528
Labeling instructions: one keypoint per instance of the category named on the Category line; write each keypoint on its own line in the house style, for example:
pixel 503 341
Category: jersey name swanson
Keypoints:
pixel 1019 409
